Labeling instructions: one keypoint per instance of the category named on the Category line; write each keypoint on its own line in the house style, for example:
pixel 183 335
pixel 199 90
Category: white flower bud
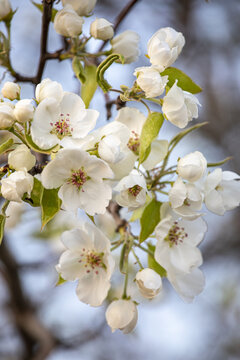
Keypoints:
pixel 11 90
pixel 24 110
pixel 149 283
pixel 122 315
pixel 150 81
pixel 126 44
pixel 48 89
pixel 101 29
pixel 16 185
pixel 82 7
pixel 192 166
pixel 5 9
pixel 164 47
pixel 21 158
pixel 6 116
pixel 67 22
pixel 180 107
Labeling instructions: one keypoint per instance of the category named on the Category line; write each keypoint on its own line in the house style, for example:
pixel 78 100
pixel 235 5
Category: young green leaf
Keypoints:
pixel 184 81
pixel 50 205
pixel 149 132
pixel 6 145
pixel 90 86
pixel 149 220
pixel 78 69
pixel 153 264
pixel 105 64
pixel 60 281
pixel 36 194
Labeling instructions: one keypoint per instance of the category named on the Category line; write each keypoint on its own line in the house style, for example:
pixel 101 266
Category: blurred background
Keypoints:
pixel 168 329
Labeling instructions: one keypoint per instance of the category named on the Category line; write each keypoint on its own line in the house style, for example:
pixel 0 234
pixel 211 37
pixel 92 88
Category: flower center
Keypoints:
pixel 78 178
pixel 61 128
pixel 135 190
pixel 176 234
pixel 134 143
pixel 92 261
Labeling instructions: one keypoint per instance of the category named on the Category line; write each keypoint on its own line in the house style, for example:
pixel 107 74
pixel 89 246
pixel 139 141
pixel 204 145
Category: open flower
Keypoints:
pixel 192 166
pixel 150 81
pixel 87 259
pixel 80 178
pixel 59 122
pixel 164 47
pixel 177 241
pixel 180 107
pixel 48 89
pixel 222 191
pixel 122 315
pixel 126 44
pixel 132 191
pixel 149 283
pixel 16 185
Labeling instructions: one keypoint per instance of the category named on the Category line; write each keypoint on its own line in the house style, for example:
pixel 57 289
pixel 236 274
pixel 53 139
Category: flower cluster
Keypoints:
pixel 123 164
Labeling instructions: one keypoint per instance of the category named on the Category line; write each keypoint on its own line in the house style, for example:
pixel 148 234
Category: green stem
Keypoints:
pixel 144 249
pixel 18 135
pixel 124 295
pixel 4 207
pixel 137 259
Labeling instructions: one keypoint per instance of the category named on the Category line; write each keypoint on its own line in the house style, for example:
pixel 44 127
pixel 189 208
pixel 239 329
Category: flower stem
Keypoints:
pixel 124 295
pixel 137 259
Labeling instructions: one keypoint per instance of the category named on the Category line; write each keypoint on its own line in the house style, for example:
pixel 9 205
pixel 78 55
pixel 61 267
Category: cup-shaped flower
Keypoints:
pixel 16 185
pixel 185 199
pixel 87 259
pixel 67 22
pixel 177 241
pixel 187 285
pixel 21 158
pixel 24 111
pixel 61 122
pixel 5 9
pixel 180 107
pixel 101 29
pixel 149 283
pixel 132 191
pixel 48 89
pixel 11 90
pixel 82 7
pixel 192 166
pixel 126 44
pixel 164 47
pixel 150 81
pixel 122 315
pixel 6 116
pixel 222 191
pixel 81 178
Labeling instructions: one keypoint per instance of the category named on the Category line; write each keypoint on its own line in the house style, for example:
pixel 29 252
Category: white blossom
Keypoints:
pixel 180 107
pixel 7 118
pixel 80 178
pixel 11 90
pixel 164 47
pixel 13 214
pixel 132 191
pixel 101 29
pixel 149 283
pixel 67 22
pixel 5 9
pixel 222 191
pixel 159 149
pixel 126 44
pixel 82 7
pixel 24 111
pixel 16 185
pixel 150 81
pixel 192 166
pixel 48 89
pixel 60 122
pixel 122 315
pixel 87 259
pixel 21 158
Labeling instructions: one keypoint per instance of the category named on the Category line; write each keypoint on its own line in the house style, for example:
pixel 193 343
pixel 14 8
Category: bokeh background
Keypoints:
pixel 168 329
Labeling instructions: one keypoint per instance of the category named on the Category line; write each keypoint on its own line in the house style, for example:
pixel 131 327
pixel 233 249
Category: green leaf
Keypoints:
pixel 60 281
pixel 40 7
pixel 153 264
pixel 105 64
pixel 50 205
pixel 2 224
pixel 34 147
pixel 6 145
pixel 90 86
pixel 149 220
pixel 78 69
pixel 149 132
pixel 36 194
pixel 184 81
